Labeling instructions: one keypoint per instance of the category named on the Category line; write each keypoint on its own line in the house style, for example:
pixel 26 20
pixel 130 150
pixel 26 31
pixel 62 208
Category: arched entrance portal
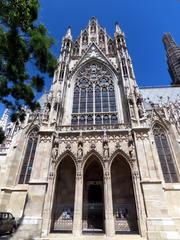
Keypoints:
pixel 124 209
pixel 63 206
pixel 93 196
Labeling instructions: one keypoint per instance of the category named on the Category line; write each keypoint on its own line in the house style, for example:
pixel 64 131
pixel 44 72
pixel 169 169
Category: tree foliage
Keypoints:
pixel 23 43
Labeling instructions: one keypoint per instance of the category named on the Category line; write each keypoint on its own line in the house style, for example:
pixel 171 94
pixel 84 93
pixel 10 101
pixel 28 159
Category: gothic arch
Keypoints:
pixel 32 128
pixel 165 152
pixel 65 154
pixel 107 64
pixel 80 63
pixel 120 153
pixel 161 124
pixel 63 193
pixel 123 193
pixel 28 155
pixel 91 153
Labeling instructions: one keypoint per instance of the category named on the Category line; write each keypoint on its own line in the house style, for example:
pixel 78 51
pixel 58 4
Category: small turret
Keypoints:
pixel 118 30
pixel 119 37
pixel 67 41
pixel 68 34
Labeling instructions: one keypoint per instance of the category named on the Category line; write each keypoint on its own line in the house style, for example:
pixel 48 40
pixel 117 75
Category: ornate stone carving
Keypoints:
pixel 45 137
pixel 131 105
pixel 51 175
pixel 93 145
pixel 140 110
pixel 142 135
pixel 68 146
pixel 107 175
pixel 46 112
pixel 131 146
pixel 118 146
pixel 105 146
pixel 105 150
pixel 80 150
pixel 55 150
pixel 78 175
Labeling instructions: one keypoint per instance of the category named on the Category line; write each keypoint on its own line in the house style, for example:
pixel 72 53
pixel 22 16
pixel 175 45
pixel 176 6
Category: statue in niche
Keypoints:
pixel 105 150
pixel 80 150
pixel 55 149
pixel 131 106
pixel 140 110
pixel 131 146
pixel 50 96
pixel 54 154
pixel 46 112
pixel 58 96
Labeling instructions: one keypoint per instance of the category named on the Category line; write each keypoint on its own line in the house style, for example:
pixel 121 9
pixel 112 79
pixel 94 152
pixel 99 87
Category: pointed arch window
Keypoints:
pixel 165 154
pixel 29 157
pixel 94 97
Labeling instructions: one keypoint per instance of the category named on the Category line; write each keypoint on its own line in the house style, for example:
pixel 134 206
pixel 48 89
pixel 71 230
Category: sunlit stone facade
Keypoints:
pixel 101 159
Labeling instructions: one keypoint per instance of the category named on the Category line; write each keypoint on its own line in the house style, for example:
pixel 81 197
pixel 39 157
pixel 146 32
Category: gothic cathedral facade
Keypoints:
pixel 101 160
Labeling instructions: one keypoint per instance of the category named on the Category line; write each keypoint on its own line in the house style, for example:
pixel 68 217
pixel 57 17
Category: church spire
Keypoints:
pixel 173 58
pixel 118 30
pixel 68 34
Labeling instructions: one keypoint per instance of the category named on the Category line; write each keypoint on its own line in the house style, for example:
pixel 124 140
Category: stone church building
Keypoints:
pixel 101 160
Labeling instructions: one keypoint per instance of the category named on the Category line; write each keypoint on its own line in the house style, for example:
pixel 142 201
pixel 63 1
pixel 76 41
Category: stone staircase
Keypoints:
pixel 92 237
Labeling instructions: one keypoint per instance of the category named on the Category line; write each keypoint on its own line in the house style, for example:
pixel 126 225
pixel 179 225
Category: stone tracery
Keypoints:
pixel 94 96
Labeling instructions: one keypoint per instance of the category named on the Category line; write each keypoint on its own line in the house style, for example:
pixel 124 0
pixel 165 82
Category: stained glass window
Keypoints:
pixel 28 157
pixel 94 98
pixel 165 155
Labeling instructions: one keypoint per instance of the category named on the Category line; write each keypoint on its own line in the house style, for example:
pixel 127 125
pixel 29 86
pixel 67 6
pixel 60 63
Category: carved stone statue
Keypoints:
pixel 131 106
pixel 131 146
pixel 55 149
pixel 140 111
pixel 80 150
pixel 46 113
pixel 105 150
pixel 132 151
pixel 54 154
pixel 50 96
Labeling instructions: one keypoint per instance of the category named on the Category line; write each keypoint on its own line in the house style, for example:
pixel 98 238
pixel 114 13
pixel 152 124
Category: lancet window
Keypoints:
pixel 94 97
pixel 29 157
pixel 165 155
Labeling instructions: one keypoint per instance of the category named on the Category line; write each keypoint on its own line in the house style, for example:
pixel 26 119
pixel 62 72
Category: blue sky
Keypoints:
pixel 143 21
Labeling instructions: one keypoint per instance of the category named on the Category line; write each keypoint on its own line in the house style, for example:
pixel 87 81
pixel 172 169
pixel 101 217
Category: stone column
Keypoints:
pixel 140 208
pixel 48 204
pixel 78 204
pixel 109 219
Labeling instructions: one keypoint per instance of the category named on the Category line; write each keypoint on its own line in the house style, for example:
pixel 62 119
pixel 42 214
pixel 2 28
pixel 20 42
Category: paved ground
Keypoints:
pixel 5 237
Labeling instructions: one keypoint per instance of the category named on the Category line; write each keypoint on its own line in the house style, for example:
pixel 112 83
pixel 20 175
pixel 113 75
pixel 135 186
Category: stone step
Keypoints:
pixel 92 237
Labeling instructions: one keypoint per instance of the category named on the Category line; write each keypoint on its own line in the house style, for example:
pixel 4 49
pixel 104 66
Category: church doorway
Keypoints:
pixel 124 208
pixel 93 200
pixel 63 206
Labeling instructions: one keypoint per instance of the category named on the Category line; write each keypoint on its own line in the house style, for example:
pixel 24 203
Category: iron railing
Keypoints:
pixel 62 219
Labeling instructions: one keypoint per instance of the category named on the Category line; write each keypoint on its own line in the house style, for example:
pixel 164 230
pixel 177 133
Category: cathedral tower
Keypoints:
pixel 173 58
